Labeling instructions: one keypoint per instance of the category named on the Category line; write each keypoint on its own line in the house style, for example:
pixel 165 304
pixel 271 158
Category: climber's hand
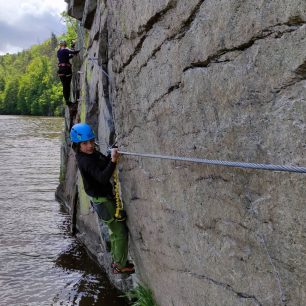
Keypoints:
pixel 114 154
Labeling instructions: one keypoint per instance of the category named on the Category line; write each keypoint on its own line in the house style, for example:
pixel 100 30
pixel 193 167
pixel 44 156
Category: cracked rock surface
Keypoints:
pixel 210 79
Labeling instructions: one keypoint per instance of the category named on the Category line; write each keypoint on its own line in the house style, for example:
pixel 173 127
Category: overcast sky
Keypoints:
pixel 24 23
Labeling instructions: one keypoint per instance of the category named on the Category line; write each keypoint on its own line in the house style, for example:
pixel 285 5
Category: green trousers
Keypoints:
pixel 118 232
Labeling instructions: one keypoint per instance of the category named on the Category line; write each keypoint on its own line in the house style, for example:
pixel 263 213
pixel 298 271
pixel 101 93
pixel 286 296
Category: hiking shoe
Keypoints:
pixel 123 270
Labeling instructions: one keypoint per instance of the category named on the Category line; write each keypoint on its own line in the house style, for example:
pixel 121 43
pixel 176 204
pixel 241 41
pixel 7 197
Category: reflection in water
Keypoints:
pixel 40 263
pixel 93 288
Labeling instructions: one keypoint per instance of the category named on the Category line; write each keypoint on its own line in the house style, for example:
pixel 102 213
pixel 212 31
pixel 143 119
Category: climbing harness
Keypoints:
pixel 270 167
pixel 120 214
pixel 64 65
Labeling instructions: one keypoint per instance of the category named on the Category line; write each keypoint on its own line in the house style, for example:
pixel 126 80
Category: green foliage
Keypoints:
pixel 71 33
pixel 141 296
pixel 8 97
pixel 29 84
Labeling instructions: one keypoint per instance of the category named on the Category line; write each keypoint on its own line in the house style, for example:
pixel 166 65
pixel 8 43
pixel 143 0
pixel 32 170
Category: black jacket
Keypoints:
pixel 64 54
pixel 96 170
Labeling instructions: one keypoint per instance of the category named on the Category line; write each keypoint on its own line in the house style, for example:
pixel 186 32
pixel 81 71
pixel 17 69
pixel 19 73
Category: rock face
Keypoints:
pixel 210 79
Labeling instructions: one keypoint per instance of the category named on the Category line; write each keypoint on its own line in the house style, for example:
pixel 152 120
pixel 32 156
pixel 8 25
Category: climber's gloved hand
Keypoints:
pixel 109 150
pixel 114 155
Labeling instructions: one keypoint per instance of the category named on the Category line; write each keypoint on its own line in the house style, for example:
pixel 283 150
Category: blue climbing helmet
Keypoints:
pixel 81 132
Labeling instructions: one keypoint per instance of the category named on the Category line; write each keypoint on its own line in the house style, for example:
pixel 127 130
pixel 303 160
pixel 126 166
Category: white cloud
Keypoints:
pixel 13 10
pixel 7 48
pixel 27 22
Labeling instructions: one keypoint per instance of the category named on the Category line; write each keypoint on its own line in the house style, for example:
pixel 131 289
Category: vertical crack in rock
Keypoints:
pixel 145 29
pixel 296 20
pixel 188 22
pixel 184 28
pixel 260 239
pixel 103 64
pixel 136 51
pixel 275 272
pixel 211 178
pixel 224 285
pixel 152 55
pixel 96 36
pixel 157 17
pixel 301 71
pixel 214 58
pixel 131 130
pixel 170 89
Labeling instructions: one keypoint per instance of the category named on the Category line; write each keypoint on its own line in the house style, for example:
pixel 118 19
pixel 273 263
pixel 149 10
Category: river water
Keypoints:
pixel 40 262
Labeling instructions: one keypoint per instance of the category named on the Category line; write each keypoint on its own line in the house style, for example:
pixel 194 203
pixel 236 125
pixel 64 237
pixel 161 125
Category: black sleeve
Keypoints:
pixel 101 175
pixel 73 51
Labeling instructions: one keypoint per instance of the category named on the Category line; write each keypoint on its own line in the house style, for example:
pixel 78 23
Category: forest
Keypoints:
pixel 29 84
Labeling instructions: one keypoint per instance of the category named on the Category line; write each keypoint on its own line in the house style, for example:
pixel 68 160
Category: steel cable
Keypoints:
pixel 271 167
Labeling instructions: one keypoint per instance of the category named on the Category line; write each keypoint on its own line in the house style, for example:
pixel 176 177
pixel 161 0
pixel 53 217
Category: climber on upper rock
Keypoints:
pixel 64 68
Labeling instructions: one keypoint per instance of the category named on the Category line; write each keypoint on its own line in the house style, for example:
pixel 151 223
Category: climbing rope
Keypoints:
pixel 270 167
pixel 119 212
pixel 93 59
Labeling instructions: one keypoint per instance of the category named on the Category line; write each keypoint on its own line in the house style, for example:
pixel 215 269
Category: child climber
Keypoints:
pixel 96 170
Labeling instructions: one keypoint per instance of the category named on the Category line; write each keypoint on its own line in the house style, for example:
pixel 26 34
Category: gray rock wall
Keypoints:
pixel 212 79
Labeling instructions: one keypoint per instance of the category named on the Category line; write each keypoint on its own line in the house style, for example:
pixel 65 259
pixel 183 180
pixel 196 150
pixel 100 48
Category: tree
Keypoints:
pixel 9 101
pixel 29 84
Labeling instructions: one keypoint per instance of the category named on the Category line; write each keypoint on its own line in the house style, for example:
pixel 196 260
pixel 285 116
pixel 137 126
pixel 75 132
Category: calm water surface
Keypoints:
pixel 40 263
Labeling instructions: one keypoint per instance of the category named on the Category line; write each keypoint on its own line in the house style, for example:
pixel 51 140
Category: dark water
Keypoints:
pixel 40 263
